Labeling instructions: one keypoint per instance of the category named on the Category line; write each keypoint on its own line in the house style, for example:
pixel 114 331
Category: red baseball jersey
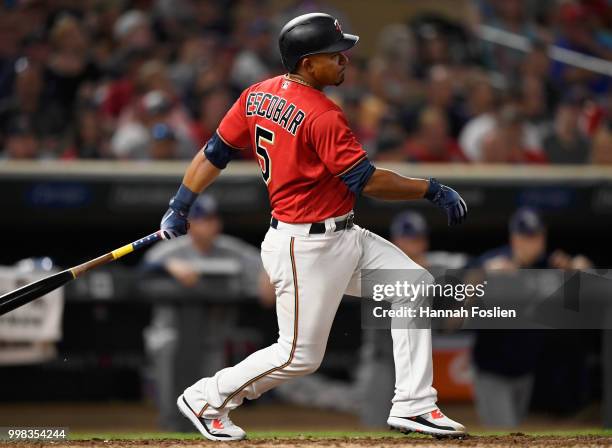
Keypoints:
pixel 303 144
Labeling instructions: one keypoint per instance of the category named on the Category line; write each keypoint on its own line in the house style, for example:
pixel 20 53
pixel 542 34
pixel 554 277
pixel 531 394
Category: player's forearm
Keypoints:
pixel 200 173
pixel 386 184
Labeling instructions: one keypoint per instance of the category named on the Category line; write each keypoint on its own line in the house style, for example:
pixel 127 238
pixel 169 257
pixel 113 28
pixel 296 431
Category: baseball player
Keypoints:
pixel 314 169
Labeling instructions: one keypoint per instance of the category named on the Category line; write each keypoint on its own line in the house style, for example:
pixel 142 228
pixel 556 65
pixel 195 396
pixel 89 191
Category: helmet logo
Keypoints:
pixel 337 25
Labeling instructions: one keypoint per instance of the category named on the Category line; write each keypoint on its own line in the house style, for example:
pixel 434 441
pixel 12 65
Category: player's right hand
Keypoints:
pixel 182 271
pixel 447 199
pixel 174 222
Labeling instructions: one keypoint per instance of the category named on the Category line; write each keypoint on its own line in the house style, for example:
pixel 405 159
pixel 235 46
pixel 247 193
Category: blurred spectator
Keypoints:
pixel 69 65
pixel 213 107
pixel 139 74
pixel 566 144
pixel 536 65
pixel 163 145
pixel 9 50
pixel 532 106
pixel 119 52
pixel 132 138
pixel 28 104
pixel 576 34
pixel 512 16
pixel 90 136
pixel 133 31
pixel 481 94
pixel 602 146
pixel 364 113
pixel 153 75
pixel 440 94
pixel 35 47
pixel 391 75
pixel 503 374
pixel 482 102
pixel 507 143
pixel 527 248
pixel 432 142
pixel 391 137
pixel 362 108
pixel 21 142
pixel 259 59
pixel 439 42
pixel 212 16
pixel 120 92
pixel 205 253
pixel 195 53
pixel 409 232
pixel 207 79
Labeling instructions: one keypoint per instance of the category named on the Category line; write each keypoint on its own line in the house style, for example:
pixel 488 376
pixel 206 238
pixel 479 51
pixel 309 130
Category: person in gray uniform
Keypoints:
pixel 182 331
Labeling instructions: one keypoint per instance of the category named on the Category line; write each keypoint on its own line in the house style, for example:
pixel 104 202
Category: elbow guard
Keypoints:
pixel 218 152
pixel 357 178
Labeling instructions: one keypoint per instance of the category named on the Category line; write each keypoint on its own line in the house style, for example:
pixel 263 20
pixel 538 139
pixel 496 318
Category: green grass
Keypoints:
pixel 319 434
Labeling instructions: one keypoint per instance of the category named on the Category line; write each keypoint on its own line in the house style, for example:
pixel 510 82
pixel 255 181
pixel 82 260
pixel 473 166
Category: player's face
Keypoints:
pixel 203 231
pixel 414 247
pixel 527 249
pixel 327 69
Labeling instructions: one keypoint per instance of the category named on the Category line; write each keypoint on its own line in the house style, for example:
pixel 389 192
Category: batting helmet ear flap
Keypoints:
pixel 312 34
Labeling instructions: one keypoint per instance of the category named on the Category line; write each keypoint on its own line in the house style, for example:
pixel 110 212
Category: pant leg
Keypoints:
pixel 161 341
pixel 310 275
pixel 374 377
pixel 522 395
pixel 495 400
pixel 414 394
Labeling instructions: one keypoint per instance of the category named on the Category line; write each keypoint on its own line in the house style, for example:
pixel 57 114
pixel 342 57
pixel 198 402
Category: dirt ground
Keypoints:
pixel 512 440
pixel 131 418
pixel 121 417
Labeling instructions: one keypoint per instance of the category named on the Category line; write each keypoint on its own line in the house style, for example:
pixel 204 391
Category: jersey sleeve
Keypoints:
pixel 335 143
pixel 234 129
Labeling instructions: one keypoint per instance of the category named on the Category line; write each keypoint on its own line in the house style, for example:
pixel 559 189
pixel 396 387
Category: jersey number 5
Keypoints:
pixel 265 163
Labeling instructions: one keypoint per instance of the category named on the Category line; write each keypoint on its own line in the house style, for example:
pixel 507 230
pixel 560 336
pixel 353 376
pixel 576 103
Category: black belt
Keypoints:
pixel 319 227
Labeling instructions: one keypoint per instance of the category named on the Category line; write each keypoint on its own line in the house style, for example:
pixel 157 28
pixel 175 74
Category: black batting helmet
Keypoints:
pixel 311 34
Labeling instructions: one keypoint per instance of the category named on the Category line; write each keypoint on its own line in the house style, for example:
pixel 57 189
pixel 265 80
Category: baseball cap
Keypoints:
pixel 204 206
pixel 161 131
pixel 156 102
pixel 410 224
pixel 128 22
pixel 526 221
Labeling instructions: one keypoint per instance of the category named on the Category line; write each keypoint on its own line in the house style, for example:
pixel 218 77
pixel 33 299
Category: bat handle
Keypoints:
pixel 147 240
pixel 136 245
pixel 117 253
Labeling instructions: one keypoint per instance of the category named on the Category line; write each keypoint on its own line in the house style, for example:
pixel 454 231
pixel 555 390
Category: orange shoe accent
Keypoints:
pixel 436 414
pixel 216 424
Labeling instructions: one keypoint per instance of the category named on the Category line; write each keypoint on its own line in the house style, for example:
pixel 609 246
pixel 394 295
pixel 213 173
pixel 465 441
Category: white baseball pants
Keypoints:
pixel 311 273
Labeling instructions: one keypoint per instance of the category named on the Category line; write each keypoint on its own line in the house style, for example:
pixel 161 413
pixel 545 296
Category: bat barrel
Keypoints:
pixel 27 293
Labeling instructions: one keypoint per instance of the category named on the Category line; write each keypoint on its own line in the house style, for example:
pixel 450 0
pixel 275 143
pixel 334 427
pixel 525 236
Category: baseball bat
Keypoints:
pixel 32 291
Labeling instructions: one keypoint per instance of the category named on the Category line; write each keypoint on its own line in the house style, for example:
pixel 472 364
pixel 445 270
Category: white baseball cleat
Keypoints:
pixel 218 429
pixel 434 423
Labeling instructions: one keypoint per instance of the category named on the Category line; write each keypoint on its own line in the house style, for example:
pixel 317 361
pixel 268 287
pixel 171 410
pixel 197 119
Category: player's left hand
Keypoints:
pixel 174 222
pixel 447 199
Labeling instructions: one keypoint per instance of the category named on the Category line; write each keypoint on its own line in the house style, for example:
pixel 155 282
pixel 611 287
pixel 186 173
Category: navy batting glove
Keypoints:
pixel 174 222
pixel 447 199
